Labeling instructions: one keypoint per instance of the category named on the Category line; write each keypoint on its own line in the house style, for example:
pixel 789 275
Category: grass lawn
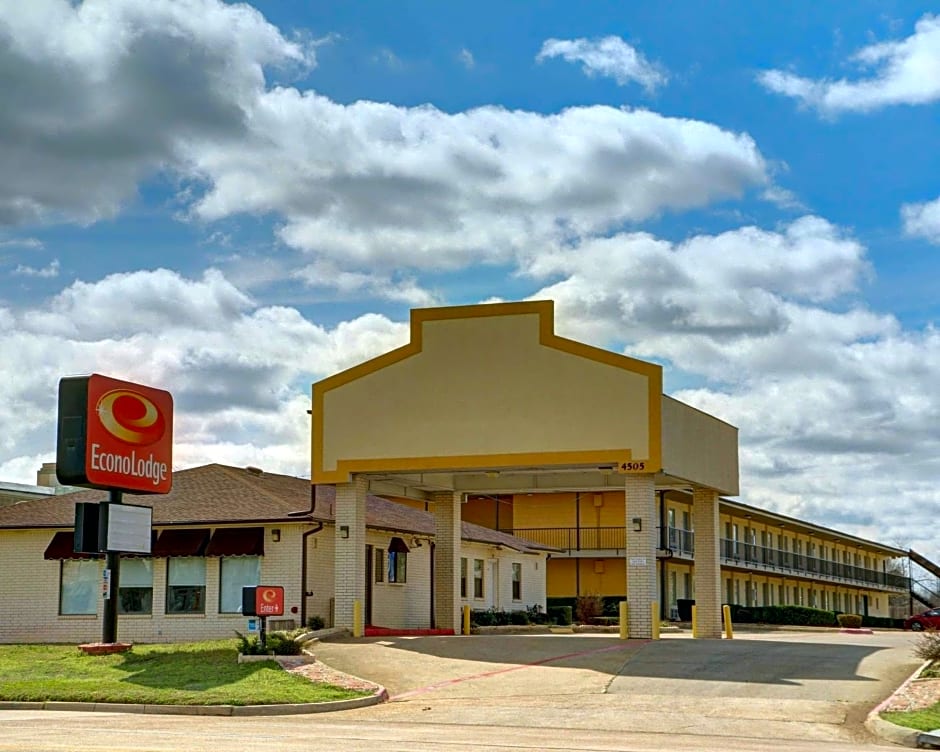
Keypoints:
pixel 927 719
pixel 201 673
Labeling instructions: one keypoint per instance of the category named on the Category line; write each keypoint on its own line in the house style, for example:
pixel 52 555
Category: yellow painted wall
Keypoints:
pixel 550 398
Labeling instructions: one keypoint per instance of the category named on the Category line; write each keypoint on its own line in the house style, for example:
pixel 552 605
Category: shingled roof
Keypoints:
pixel 223 495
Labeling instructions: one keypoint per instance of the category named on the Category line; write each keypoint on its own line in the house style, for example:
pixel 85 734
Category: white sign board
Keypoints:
pixel 637 561
pixel 128 528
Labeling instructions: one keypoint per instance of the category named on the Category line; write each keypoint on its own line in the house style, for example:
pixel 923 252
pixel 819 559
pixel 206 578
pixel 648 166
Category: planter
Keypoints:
pixel 105 648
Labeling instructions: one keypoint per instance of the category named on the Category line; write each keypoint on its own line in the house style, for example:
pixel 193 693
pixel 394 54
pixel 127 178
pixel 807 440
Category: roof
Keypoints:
pixel 224 495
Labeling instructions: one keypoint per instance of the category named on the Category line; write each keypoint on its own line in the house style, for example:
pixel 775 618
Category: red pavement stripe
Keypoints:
pixel 486 674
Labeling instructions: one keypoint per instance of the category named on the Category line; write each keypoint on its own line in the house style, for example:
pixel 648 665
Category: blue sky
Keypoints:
pixel 234 201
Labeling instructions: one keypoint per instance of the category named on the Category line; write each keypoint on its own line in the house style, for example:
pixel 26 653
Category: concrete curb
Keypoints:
pixel 380 695
pixel 891 732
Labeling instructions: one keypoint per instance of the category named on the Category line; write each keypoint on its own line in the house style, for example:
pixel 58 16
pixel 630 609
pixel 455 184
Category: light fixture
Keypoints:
pixel 492 473
pixel 276 535
pixel 637 524
pixel 344 531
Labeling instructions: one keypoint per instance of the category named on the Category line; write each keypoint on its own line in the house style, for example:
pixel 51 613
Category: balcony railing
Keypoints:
pixel 682 543
pixel 763 557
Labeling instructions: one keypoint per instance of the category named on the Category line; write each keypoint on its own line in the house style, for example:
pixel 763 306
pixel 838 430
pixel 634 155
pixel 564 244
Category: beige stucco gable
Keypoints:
pixel 488 386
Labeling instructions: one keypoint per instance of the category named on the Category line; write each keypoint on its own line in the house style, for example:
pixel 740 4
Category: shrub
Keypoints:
pixel 793 615
pixel 849 621
pixel 281 643
pixel 536 614
pixel 560 615
pixel 278 643
pixel 588 607
pixel 928 645
pixel 316 622
pixel 249 644
pixel 518 617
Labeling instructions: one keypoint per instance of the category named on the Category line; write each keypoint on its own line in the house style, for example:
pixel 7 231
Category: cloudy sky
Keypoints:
pixel 233 201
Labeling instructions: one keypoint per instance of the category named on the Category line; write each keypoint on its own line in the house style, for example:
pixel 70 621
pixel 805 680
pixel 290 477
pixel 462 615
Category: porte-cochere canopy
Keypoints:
pixel 489 398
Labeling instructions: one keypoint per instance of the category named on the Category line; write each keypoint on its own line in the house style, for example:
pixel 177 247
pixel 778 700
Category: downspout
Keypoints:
pixel 432 622
pixel 303 552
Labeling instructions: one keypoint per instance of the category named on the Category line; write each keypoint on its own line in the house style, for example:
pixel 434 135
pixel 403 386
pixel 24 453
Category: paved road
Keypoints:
pixel 798 691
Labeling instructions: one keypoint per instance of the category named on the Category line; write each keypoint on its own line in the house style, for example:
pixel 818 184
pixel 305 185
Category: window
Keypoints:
pixel 79 585
pixel 235 573
pixel 397 566
pixel 516 581
pixel 135 586
pixel 478 578
pixel 378 565
pixel 186 585
pixel 463 578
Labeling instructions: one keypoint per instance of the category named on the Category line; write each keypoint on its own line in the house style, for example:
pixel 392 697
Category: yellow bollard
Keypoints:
pixel 729 630
pixel 466 619
pixel 624 623
pixel 694 621
pixel 357 619
pixel 654 614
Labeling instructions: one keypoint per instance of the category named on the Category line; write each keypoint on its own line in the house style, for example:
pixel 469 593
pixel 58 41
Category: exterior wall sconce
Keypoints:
pixel 637 524
pixel 344 531
pixel 276 535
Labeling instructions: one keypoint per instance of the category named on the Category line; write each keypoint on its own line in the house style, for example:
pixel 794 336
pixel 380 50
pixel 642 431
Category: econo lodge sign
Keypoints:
pixel 114 435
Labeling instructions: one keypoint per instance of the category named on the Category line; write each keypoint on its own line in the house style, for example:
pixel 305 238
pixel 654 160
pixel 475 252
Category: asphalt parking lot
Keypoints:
pixel 794 691
pixel 770 685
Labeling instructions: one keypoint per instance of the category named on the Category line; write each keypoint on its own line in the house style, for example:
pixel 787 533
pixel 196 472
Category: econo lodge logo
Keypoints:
pixel 130 417
pixel 129 436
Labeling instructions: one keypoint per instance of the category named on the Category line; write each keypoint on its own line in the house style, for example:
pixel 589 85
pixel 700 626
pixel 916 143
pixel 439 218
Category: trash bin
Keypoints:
pixel 684 605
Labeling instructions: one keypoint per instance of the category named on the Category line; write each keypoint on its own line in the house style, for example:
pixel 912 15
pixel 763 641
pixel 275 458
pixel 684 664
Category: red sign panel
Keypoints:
pixel 269 600
pixel 129 444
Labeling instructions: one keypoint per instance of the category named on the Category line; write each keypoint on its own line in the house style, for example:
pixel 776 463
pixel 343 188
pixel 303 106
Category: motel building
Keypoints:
pixel 488 463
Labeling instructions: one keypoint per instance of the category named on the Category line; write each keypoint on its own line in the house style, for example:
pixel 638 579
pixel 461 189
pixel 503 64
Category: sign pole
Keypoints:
pixel 113 564
pixel 263 637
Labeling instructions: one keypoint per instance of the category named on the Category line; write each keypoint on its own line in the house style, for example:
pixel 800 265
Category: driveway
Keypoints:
pixel 816 685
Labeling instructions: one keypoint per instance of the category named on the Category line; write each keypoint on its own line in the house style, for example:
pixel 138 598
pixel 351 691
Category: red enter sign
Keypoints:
pixel 269 600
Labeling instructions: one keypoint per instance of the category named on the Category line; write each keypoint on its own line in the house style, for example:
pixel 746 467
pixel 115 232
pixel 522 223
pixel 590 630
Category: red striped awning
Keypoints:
pixel 236 541
pixel 62 546
pixel 183 542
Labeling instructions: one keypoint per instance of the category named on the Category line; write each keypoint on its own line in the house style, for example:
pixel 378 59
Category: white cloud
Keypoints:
pixel 240 373
pixel 374 191
pixel 379 187
pixel 610 57
pixel 466 59
pixel 922 220
pixel 92 101
pixel 51 270
pixel 903 72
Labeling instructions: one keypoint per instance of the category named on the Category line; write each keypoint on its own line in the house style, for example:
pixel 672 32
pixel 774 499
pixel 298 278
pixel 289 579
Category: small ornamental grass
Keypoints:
pixel 203 673
pixel 928 646
pixel 849 621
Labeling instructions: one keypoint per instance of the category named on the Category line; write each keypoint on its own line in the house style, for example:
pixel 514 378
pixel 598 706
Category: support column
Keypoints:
pixel 707 567
pixel 446 508
pixel 642 589
pixel 349 568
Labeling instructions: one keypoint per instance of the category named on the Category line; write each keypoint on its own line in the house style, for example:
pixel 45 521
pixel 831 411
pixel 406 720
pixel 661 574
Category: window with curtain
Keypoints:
pixel 186 585
pixel 135 586
pixel 516 581
pixel 235 573
pixel 478 578
pixel 397 566
pixel 463 578
pixel 78 587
